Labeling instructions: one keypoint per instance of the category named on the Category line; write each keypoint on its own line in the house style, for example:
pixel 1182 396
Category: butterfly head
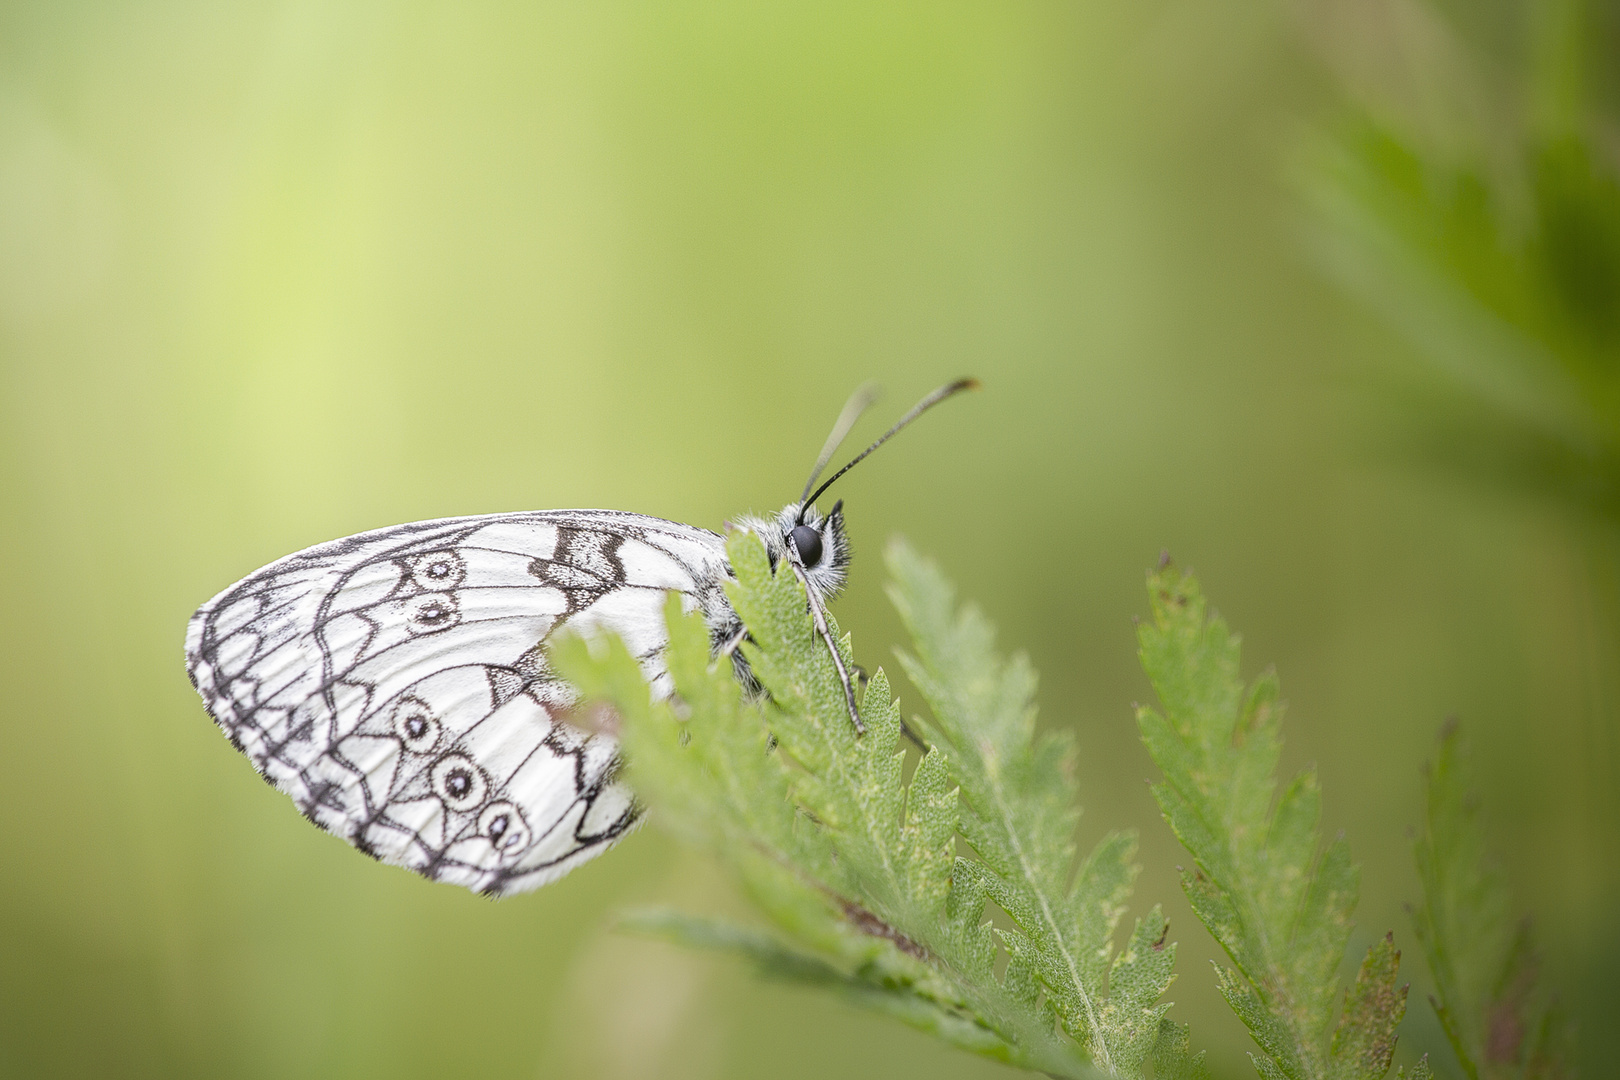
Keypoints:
pixel 820 543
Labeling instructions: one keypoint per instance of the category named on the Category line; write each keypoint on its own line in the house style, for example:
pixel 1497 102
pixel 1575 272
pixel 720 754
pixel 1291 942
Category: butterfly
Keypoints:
pixel 396 684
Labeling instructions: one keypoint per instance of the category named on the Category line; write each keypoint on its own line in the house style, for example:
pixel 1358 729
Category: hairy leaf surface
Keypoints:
pixel 1278 904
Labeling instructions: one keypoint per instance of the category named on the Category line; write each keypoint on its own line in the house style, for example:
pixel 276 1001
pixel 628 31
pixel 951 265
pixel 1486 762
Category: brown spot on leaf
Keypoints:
pixel 868 923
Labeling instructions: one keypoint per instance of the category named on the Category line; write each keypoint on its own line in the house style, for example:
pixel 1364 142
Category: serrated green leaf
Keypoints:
pixel 1019 809
pixel 1364 1043
pixel 1420 1071
pixel 853 864
pixel 1280 1048
pixel 1173 1058
pixel 1279 909
pixel 1136 981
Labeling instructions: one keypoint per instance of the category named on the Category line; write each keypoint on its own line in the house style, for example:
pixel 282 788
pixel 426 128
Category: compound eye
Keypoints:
pixel 808 541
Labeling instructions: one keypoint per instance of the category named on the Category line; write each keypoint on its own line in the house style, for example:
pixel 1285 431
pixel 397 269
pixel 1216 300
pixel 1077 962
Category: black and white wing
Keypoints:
pixel 395 683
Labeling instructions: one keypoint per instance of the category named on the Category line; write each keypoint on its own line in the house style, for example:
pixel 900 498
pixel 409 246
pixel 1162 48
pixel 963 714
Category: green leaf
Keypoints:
pixel 1018 812
pixel 852 864
pixel 1365 1040
pixel 1420 1071
pixel 1173 1058
pixel 893 849
pixel 1500 1022
pixel 1280 908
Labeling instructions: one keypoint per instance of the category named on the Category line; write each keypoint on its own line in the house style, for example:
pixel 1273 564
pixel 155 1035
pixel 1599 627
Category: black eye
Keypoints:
pixel 808 541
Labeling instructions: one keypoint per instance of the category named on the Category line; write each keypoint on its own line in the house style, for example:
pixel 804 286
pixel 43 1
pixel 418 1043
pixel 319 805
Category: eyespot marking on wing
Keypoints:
pixel 459 782
pixel 502 822
pixel 418 729
pixel 436 571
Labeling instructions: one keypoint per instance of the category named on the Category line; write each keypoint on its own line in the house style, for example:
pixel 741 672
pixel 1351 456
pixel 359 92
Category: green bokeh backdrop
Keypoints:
pixel 271 273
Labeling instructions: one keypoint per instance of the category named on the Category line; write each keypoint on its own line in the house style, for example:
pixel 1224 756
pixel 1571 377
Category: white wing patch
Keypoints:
pixel 395 683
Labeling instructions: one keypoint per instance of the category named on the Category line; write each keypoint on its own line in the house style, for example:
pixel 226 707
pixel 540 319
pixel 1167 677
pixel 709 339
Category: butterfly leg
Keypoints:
pixel 732 644
pixel 905 729
pixel 820 618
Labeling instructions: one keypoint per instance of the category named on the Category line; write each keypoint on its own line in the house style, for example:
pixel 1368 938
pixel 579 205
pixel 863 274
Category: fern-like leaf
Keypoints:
pixel 1018 812
pixel 853 865
pixel 1280 909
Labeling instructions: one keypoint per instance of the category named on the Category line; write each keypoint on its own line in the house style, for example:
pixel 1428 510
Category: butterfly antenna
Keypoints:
pixel 858 403
pixel 916 410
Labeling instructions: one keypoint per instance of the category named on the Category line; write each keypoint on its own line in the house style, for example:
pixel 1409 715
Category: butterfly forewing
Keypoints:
pixel 395 683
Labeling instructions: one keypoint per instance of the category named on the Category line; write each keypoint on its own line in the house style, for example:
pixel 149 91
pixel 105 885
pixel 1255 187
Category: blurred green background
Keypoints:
pixel 271 273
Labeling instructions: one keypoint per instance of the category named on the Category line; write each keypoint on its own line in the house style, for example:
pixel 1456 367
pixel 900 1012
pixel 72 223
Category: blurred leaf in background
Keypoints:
pixel 1470 197
pixel 1503 1022
pixel 1492 244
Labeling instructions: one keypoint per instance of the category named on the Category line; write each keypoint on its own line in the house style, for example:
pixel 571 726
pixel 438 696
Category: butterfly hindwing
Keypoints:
pixel 395 683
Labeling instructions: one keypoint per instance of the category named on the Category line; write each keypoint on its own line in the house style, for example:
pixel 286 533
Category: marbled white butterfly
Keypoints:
pixel 396 684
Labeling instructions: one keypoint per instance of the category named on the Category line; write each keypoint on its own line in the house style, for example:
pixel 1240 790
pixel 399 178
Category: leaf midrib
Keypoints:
pixel 1004 812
